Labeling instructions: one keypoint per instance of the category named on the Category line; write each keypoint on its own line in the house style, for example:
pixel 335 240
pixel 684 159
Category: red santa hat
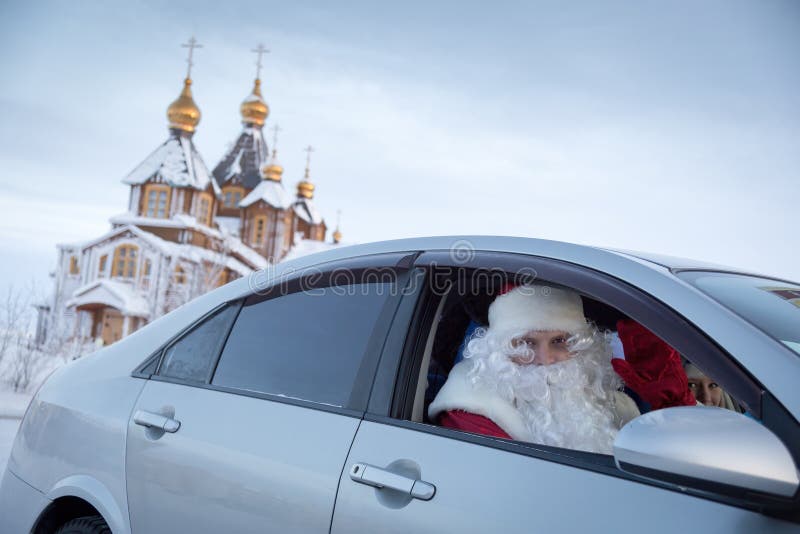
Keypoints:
pixel 537 307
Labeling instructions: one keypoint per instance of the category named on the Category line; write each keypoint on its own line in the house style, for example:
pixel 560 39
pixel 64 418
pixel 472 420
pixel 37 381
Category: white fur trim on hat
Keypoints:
pixel 536 307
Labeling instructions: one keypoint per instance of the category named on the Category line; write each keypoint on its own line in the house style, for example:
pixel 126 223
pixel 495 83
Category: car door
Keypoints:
pixel 247 422
pixel 403 475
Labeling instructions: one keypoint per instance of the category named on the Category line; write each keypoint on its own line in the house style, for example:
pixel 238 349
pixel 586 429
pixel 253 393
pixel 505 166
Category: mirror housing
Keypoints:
pixel 699 447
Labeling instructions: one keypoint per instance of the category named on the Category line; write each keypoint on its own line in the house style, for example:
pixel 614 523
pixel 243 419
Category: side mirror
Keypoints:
pixel 700 447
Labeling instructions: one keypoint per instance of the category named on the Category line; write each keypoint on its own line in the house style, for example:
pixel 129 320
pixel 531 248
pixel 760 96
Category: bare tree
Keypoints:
pixel 15 317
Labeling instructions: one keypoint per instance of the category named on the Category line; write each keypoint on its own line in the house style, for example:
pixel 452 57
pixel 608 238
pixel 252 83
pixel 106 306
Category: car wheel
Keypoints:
pixel 93 524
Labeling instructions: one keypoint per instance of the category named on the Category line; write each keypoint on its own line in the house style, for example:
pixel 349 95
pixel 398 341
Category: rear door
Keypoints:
pixel 247 422
pixel 404 475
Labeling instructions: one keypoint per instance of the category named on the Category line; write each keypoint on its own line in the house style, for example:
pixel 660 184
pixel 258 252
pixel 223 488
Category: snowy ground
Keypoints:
pixel 12 408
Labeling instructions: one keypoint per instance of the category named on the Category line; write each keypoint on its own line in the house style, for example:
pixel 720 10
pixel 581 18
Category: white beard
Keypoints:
pixel 567 404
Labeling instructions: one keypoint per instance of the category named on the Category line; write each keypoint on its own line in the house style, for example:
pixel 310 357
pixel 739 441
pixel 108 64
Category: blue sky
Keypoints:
pixel 671 127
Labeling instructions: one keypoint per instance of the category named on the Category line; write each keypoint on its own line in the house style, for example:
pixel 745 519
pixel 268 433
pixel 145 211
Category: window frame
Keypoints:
pixel 157 188
pixel 393 392
pixel 128 247
pixel 311 277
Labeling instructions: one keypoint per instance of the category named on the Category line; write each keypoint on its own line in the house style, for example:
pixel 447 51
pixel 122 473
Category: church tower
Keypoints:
pixel 174 181
pixel 308 222
pixel 239 171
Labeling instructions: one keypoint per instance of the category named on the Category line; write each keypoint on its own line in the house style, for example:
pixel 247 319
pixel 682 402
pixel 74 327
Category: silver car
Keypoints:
pixel 295 401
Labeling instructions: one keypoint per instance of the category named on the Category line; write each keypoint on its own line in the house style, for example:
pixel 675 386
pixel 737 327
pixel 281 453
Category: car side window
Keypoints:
pixel 190 357
pixel 307 345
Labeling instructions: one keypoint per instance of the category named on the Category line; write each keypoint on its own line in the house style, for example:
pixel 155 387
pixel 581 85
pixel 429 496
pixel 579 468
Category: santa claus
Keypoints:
pixel 542 373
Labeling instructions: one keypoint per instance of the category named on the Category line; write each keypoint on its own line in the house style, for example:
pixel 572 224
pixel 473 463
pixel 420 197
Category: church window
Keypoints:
pixel 73 265
pixel 124 265
pixel 231 196
pixel 180 275
pixel 146 267
pixel 103 261
pixel 204 209
pixel 259 225
pixel 156 201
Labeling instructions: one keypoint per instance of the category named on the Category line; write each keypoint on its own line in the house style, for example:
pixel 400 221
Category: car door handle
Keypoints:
pixel 154 420
pixel 382 478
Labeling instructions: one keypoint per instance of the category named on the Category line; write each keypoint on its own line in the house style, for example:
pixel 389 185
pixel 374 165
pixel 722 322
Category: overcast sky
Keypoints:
pixel 671 127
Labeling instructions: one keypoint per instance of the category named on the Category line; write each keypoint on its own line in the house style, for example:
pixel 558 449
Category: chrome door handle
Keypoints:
pixel 154 420
pixel 381 478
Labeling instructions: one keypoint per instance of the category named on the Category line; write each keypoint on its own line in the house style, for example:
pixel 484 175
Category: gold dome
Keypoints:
pixel 183 114
pixel 254 110
pixel 337 236
pixel 305 189
pixel 273 171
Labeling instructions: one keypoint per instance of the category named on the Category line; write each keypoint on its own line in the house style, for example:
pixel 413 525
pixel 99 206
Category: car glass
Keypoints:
pixel 771 305
pixel 306 345
pixel 191 357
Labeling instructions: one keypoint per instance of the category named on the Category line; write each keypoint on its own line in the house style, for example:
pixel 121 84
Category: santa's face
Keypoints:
pixel 545 347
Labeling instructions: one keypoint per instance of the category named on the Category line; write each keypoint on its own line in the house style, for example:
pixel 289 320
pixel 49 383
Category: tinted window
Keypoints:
pixel 771 305
pixel 306 345
pixel 191 357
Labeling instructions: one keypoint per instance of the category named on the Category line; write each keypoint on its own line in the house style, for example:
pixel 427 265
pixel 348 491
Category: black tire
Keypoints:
pixel 92 524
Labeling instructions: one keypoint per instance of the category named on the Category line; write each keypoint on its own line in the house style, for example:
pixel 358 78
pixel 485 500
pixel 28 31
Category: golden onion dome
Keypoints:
pixel 183 114
pixel 254 110
pixel 273 171
pixel 337 236
pixel 305 189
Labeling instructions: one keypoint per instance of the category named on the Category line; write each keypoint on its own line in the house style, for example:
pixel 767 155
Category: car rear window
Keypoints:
pixel 307 345
pixel 771 305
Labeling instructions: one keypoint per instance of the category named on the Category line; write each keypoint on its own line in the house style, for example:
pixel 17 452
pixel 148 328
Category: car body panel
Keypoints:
pixel 20 504
pixel 236 464
pixel 77 425
pixel 525 494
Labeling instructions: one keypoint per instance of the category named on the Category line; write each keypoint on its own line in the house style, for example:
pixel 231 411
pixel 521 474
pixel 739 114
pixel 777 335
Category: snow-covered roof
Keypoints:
pixel 305 209
pixel 304 247
pixel 270 192
pixel 176 163
pixel 112 293
pixel 242 163
pixel 230 245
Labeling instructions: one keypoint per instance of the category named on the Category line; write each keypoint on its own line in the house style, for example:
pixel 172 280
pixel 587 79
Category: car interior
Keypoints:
pixel 458 314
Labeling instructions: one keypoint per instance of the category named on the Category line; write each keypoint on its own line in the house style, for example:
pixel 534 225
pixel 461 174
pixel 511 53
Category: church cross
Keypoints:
pixel 308 150
pixel 191 45
pixel 260 51
pixel 275 129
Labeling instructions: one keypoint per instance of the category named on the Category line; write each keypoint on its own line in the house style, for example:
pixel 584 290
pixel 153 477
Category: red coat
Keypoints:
pixel 471 422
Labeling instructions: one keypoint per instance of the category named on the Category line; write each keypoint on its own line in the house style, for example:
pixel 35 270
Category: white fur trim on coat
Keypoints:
pixel 459 393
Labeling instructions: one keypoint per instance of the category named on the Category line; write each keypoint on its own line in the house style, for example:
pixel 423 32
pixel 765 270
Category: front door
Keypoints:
pixel 112 325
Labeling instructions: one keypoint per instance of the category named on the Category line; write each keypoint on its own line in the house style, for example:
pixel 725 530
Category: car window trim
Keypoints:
pixel 340 410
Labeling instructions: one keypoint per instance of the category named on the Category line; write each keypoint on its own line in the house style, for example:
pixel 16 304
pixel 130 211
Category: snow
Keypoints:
pixel 270 192
pixel 177 163
pixel 112 293
pixel 228 225
pixel 306 210
pixel 13 405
